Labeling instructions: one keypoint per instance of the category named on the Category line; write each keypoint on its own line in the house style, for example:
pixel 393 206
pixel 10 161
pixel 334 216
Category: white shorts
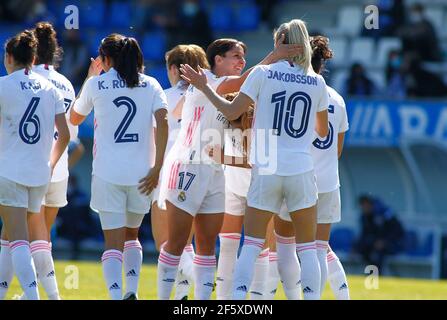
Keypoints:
pixel 235 204
pixel 194 188
pixel 109 197
pixel 328 208
pixel 56 195
pixel 17 195
pixel 267 192
pixel 113 220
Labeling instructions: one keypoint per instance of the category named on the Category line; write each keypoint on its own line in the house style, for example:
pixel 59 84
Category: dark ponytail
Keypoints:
pixel 321 52
pixel 126 56
pixel 22 48
pixel 48 50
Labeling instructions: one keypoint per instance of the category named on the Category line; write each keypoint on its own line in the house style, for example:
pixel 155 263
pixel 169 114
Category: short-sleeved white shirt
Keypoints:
pixel 287 100
pixel 325 151
pixel 202 124
pixel 28 106
pixel 123 128
pixel 64 86
pixel 173 96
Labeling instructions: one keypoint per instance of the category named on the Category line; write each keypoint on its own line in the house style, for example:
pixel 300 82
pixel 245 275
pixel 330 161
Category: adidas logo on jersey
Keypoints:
pixel 169 280
pixel 219 279
pixel 343 286
pixel 33 284
pixel 209 284
pixel 242 288
pixel 256 293
pixel 50 274
pixel 131 273
pixel 298 283
pixel 184 282
pixel 114 286
pixel 4 285
pixel 308 290
pixel 273 291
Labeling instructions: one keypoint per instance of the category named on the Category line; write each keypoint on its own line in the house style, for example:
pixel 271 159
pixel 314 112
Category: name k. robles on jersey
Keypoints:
pixel 387 123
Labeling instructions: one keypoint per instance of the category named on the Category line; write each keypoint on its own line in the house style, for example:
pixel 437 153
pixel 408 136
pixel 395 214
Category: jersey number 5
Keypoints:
pixel 120 133
pixel 279 99
pixel 30 119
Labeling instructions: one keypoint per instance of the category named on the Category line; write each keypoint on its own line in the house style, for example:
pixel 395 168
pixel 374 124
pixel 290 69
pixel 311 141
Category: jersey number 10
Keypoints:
pixel 286 118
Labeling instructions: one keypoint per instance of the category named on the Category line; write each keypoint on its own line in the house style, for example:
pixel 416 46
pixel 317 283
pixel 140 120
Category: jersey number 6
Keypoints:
pixel 120 133
pixel 30 119
pixel 279 99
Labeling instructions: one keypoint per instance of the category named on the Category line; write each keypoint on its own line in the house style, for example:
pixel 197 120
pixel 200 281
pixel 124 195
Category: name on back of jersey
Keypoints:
pixel 117 84
pixel 291 77
pixel 30 85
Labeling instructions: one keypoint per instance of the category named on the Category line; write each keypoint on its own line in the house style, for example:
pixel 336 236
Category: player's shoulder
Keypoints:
pixel 148 81
pixel 336 97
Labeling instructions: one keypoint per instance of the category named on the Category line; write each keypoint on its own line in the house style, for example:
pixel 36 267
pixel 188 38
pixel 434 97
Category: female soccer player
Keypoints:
pixel 326 153
pixel 124 175
pixel 291 100
pixel 194 56
pixel 30 108
pixel 195 185
pixel 49 52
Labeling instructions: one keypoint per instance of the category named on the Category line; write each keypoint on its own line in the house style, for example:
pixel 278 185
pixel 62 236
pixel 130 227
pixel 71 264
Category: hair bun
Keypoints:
pixel 320 47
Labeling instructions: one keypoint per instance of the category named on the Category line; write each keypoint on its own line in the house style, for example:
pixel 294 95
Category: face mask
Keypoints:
pixel 395 63
pixel 190 9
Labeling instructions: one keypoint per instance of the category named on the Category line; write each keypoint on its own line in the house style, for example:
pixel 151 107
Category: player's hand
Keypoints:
pixel 95 67
pixel 285 51
pixel 150 181
pixel 215 153
pixel 197 79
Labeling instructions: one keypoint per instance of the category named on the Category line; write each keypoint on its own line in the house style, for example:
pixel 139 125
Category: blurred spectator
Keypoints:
pixel 358 84
pixel 395 75
pixel 266 7
pixel 29 11
pixel 193 24
pixel 154 14
pixel 381 234
pixel 419 36
pixel 421 82
pixel 76 57
pixel 75 222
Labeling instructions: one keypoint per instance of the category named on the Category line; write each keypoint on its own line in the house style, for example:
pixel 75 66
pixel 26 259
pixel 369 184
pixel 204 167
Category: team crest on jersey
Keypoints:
pixel 182 196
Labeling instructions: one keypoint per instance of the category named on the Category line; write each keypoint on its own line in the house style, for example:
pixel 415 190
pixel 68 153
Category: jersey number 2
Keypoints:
pixel 30 119
pixel 120 133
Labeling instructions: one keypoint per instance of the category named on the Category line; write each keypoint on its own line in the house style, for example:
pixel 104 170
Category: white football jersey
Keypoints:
pixel 325 151
pixel 123 129
pixel 65 87
pixel 202 124
pixel 237 179
pixel 287 101
pixel 173 96
pixel 28 106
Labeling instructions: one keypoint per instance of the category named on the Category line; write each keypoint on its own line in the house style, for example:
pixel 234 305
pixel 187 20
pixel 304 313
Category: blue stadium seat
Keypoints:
pixel 411 243
pixel 220 17
pixel 342 239
pixel 159 73
pixel 92 13
pixel 119 14
pixel 247 17
pixel 154 46
pixel 427 246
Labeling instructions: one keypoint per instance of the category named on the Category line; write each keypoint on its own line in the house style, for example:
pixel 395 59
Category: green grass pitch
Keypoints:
pixel 90 285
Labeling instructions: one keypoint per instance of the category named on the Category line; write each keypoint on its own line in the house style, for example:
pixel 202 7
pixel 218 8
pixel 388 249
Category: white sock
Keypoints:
pixel 185 274
pixel 289 267
pixel 166 271
pixel 24 268
pixel 6 269
pixel 337 277
pixel 260 276
pixel 229 245
pixel 132 260
pixel 112 267
pixel 245 266
pixel 273 277
pixel 322 260
pixel 310 270
pixel 204 270
pixel 41 253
